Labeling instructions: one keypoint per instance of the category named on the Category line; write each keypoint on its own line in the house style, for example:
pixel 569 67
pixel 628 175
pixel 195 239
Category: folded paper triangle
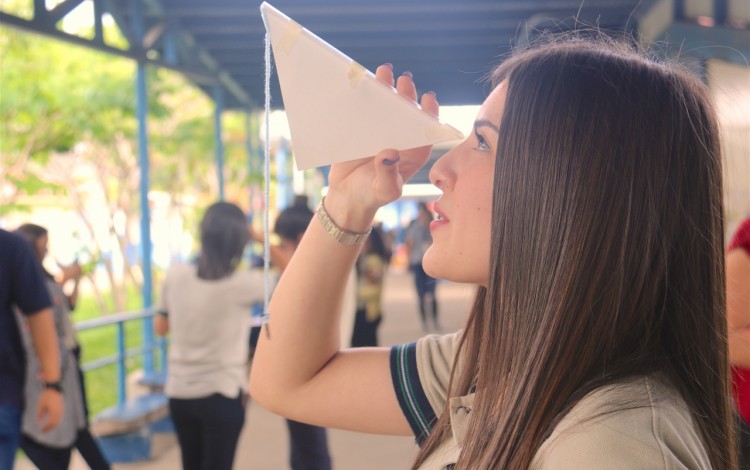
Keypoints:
pixel 337 109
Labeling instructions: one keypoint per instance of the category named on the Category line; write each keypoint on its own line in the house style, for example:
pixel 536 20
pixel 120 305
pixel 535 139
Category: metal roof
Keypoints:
pixel 448 45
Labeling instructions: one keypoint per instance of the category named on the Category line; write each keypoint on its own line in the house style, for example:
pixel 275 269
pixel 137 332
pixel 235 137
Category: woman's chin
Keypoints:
pixel 435 269
pixel 443 270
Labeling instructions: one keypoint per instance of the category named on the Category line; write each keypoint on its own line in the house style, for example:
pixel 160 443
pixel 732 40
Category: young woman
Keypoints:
pixel 207 308
pixel 587 207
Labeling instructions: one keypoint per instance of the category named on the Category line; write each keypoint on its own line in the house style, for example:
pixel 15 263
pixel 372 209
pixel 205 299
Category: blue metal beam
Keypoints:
pixel 57 13
pixel 721 11
pixel 679 10
pixel 98 23
pixel 194 63
pixel 197 75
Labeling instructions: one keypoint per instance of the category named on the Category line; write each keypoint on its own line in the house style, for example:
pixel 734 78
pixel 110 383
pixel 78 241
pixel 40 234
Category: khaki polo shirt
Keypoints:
pixel 640 423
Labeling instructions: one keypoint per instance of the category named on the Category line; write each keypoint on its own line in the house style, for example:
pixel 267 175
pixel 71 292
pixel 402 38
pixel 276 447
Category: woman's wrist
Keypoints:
pixel 346 216
pixel 341 235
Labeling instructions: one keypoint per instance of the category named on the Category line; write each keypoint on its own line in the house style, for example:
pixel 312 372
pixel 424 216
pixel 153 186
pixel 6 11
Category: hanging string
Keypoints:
pixel 267 190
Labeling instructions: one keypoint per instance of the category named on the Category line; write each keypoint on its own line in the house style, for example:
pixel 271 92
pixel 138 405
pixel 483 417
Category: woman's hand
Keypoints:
pixel 70 272
pixel 358 188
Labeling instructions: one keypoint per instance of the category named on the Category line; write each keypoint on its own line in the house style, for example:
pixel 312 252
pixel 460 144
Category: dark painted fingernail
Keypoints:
pixel 389 161
pixel 407 74
pixel 430 93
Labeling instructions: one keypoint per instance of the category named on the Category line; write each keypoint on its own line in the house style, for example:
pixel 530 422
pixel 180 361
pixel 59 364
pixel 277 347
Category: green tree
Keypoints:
pixel 68 127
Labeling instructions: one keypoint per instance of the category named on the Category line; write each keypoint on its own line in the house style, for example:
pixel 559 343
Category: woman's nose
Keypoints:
pixel 439 173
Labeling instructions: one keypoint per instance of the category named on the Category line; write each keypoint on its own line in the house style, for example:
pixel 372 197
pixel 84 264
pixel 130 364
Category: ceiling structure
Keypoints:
pixel 449 45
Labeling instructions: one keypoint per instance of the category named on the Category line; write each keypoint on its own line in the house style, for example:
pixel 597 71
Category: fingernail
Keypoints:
pixel 407 74
pixel 389 161
pixel 430 93
pixel 389 65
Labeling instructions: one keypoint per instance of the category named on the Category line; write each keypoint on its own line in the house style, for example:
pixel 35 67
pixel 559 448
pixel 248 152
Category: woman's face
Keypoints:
pixel 460 248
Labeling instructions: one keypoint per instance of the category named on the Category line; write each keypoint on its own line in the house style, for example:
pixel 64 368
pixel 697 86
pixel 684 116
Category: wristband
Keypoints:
pixel 343 236
pixel 54 386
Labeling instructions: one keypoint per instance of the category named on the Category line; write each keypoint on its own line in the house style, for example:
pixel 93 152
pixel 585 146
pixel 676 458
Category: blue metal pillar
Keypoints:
pixel 219 102
pixel 98 23
pixel 143 162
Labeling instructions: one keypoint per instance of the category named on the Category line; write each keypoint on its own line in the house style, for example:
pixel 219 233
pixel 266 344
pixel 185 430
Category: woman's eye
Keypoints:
pixel 481 142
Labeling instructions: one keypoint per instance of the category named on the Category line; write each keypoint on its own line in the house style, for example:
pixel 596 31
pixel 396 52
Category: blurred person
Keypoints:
pixel 597 337
pixel 22 286
pixel 371 267
pixel 388 237
pixel 205 307
pixel 53 450
pixel 738 319
pixel 417 240
pixel 308 444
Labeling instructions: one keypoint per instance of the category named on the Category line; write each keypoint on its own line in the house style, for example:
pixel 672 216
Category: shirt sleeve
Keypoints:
pixel 420 373
pixel 29 288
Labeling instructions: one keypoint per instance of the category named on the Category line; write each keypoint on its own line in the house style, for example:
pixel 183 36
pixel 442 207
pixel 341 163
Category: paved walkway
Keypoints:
pixel 263 444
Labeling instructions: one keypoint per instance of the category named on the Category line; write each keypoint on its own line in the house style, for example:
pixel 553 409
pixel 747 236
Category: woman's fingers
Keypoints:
pixel 405 86
pixel 384 73
pixel 430 104
pixel 389 169
pixel 388 180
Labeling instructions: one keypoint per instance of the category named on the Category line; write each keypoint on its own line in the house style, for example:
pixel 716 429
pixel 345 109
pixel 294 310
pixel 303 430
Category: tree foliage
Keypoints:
pixel 68 128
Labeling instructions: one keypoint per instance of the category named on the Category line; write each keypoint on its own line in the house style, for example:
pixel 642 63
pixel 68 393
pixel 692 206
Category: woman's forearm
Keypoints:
pixel 44 339
pixel 305 310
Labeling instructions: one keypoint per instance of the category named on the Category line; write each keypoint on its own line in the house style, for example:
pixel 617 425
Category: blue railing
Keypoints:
pixel 119 319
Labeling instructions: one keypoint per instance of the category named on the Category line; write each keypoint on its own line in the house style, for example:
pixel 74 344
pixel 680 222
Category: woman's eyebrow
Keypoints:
pixel 485 123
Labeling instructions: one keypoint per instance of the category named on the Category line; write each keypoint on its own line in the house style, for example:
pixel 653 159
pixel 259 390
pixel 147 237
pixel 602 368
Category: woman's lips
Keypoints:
pixel 440 221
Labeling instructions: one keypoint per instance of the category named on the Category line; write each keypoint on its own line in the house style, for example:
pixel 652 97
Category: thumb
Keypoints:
pixel 388 180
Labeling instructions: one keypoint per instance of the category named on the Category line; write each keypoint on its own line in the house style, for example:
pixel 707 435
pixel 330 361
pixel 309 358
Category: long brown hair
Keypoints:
pixel 606 257
pixel 32 233
pixel 224 234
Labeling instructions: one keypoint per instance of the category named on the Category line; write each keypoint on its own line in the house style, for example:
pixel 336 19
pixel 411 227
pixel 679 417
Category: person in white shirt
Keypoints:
pixel 206 308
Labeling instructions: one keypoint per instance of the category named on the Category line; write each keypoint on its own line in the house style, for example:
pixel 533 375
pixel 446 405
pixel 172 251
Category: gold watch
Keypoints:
pixel 345 237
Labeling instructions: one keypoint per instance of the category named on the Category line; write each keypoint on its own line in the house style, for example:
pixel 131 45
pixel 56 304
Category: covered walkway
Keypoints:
pixel 218 47
pixel 263 443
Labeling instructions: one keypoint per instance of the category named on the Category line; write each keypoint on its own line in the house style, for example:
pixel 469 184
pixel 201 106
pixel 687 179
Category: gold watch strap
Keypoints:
pixel 345 237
